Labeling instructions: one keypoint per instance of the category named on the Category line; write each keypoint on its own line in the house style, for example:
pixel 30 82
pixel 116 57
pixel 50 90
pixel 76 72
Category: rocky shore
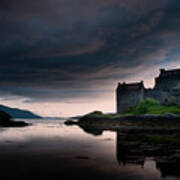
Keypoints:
pixel 98 119
pixel 6 121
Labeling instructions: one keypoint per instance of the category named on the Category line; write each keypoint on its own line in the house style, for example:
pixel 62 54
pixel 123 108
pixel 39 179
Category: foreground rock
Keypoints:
pixel 6 121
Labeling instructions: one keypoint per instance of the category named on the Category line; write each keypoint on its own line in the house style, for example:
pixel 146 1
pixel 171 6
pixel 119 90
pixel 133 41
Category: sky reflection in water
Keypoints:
pixel 51 150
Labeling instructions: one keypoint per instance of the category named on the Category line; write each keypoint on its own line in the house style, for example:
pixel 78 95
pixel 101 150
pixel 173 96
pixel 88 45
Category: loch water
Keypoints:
pixel 50 150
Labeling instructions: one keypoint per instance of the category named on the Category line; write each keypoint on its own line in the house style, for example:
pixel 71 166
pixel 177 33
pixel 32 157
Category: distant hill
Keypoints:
pixel 18 113
pixel 54 118
pixel 76 117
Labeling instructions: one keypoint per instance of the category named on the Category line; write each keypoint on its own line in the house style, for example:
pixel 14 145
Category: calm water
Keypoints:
pixel 51 150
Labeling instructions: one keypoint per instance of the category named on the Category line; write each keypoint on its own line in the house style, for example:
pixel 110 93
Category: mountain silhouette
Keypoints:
pixel 18 113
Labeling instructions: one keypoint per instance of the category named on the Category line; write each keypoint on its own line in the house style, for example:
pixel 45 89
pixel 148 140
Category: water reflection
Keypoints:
pixel 128 152
pixel 169 167
pixel 134 152
pixel 90 130
pixel 49 150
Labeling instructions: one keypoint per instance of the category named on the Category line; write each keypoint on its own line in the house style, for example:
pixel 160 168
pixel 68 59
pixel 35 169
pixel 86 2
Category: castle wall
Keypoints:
pixel 167 86
pixel 161 96
pixel 128 96
pixel 166 89
pixel 167 80
pixel 176 93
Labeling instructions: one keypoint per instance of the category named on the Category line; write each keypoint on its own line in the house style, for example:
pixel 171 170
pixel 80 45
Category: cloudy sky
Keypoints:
pixel 65 57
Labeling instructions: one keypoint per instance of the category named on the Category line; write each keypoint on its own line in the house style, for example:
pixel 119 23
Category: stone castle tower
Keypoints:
pixel 129 95
pixel 167 88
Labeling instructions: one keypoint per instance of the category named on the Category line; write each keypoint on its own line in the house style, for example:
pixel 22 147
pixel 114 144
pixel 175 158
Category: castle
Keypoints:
pixel 166 89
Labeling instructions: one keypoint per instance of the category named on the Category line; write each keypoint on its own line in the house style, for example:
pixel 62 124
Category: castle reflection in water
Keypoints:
pixel 135 153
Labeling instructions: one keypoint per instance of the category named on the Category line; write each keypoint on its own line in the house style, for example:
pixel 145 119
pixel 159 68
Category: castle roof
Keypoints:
pixel 172 72
pixel 132 86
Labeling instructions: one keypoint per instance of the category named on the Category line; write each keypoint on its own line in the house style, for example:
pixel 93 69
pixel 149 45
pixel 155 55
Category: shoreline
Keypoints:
pixel 154 118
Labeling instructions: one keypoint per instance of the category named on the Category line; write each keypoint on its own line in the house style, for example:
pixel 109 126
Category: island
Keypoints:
pixel 147 112
pixel 136 104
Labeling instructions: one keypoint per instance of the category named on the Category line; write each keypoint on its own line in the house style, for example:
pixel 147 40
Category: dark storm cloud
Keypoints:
pixel 77 46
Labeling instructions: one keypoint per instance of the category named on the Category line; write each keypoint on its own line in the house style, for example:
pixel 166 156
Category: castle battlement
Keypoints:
pixel 130 86
pixel 169 73
pixel 167 85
